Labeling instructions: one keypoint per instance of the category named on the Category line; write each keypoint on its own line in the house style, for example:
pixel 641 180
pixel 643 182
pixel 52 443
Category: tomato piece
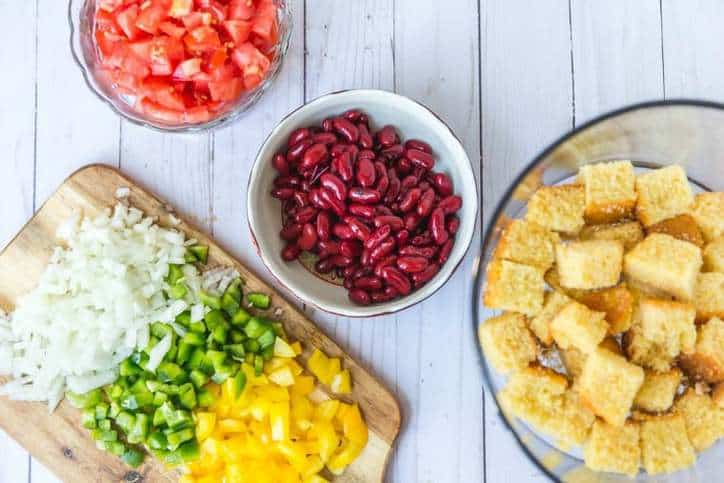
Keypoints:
pixel 160 113
pixel 180 8
pixel 109 5
pixel 247 57
pixel 217 10
pixel 187 69
pixel 196 115
pixel 226 90
pixel 126 20
pixel 172 29
pixel 202 39
pixel 217 59
pixel 196 19
pixel 241 9
pixel 134 66
pixel 106 42
pixel 160 53
pixel 104 22
pixel 265 21
pixel 150 18
pixel 162 92
pixel 238 30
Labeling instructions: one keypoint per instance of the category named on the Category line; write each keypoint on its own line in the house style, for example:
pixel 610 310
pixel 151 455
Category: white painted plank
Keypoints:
pixel 436 62
pixel 693 58
pixel 526 103
pixel 616 55
pixel 74 128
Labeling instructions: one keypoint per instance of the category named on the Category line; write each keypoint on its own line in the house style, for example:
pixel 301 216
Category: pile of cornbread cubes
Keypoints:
pixel 619 278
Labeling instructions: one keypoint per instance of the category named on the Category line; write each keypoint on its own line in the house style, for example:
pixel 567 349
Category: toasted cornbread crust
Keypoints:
pixel 540 324
pixel 629 233
pixel 662 193
pixel 658 390
pixel 665 446
pixel 590 264
pixel 558 208
pixel 717 395
pixel 514 287
pixel 709 296
pixel 527 243
pixel 704 419
pixel 613 448
pixel 507 342
pixel 707 360
pixel 617 303
pixel 708 211
pixel 578 326
pixel 610 191
pixel 682 227
pixel 714 256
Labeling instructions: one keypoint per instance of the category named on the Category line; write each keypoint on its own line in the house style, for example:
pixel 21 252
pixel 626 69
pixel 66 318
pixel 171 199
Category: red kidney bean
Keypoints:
pixel 410 199
pixel 364 195
pixel 301 198
pixel 348 284
pixel 287 182
pixel 306 214
pixel 342 261
pixel 422 240
pixel 413 251
pixel 368 283
pixel 308 239
pixel 346 170
pixel 393 190
pixel 361 272
pixel 353 151
pixel 426 275
pixel 327 248
pixel 437 226
pixel 402 236
pixel 324 266
pixel 380 296
pixel 324 225
pixel 352 115
pixel 346 129
pixel 404 166
pixel 424 186
pixel 443 184
pixel 451 204
pixel 291 252
pixel 314 155
pixel 385 262
pixel 350 248
pixel 360 230
pixel 315 198
pixel 364 211
pixel 348 272
pixel 411 221
pixel 382 210
pixel 393 152
pixel 366 173
pixel 327 125
pixel 335 185
pixel 452 224
pixel 366 258
pixel 409 182
pixel 338 149
pixel 325 138
pixel 295 152
pixel 282 193
pixel 360 297
pixel 298 135
pixel 420 158
pixel 365 138
pixel 382 250
pixel 396 280
pixel 395 222
pixel 378 236
pixel 366 153
pixel 291 231
pixel 280 164
pixel 412 264
pixel 445 251
pixel 387 136
pixel 383 181
pixel 364 119
pixel 343 231
pixel 419 145
pixel 305 185
pixel 424 206
pixel 337 205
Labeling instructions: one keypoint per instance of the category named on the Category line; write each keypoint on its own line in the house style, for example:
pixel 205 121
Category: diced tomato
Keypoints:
pixel 105 22
pixel 217 59
pixel 109 5
pixel 172 29
pixel 246 56
pixel 181 8
pixel 161 113
pixel 134 66
pixel 196 115
pixel 106 42
pixel 126 20
pixel 217 10
pixel 196 19
pixel 150 18
pixel 241 9
pixel 163 93
pixel 186 69
pixel 226 90
pixel 265 21
pixel 238 30
pixel 202 39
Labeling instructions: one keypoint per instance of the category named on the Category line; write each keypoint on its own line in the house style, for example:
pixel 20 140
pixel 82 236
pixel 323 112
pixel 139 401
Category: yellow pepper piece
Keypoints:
pixel 282 377
pixel 297 346
pixel 318 363
pixel 354 426
pixel 205 423
pixel 303 385
pixel 349 452
pixel 315 479
pixel 341 383
pixel 327 410
pixel 229 426
pixel 283 349
pixel 279 420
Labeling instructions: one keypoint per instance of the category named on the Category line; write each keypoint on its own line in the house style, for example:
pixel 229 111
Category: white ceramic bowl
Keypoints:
pixel 413 121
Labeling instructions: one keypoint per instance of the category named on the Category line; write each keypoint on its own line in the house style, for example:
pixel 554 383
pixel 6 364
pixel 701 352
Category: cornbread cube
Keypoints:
pixel 665 446
pixel 617 303
pixel 709 296
pixel 665 263
pixel 662 194
pixel 613 448
pixel 589 264
pixel 574 360
pixel 717 395
pixel 540 324
pixel 527 243
pixel 578 326
pixel 707 360
pixel 609 384
pixel 574 423
pixel 714 256
pixel 658 390
pixel 610 190
pixel 640 290
pixel 514 287
pixel 507 342
pixel 553 279
pixel 558 208
pixel 629 233
pixel 682 227
pixel 704 419
pixel 662 329
pixel 708 211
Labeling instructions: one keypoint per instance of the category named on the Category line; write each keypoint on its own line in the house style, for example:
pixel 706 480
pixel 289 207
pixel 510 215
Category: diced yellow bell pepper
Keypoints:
pixel 295 367
pixel 341 383
pixel 315 479
pixel 303 385
pixel 273 393
pixel 326 438
pixel 279 420
pixel 230 426
pixel 318 364
pixel 314 466
pixel 205 423
pixel 354 426
pixel 326 410
pixel 347 454
pixel 297 346
pixel 282 377
pixel 283 349
pixel 186 479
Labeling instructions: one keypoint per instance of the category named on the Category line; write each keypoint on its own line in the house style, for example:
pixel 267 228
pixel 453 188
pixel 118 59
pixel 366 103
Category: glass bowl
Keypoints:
pixel 651 135
pixel 81 15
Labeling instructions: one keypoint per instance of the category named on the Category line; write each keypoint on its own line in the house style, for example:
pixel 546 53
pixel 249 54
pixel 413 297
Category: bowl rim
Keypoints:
pixel 384 309
pixel 479 269
pixel 223 120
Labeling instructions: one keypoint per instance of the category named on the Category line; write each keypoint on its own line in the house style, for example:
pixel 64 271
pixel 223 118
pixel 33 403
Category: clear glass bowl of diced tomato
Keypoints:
pixel 180 65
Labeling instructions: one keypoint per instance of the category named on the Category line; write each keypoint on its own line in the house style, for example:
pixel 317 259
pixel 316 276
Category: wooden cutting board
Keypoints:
pixel 58 440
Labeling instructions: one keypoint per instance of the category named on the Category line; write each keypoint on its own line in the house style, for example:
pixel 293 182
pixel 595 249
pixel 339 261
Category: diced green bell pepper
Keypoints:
pixel 157 440
pixel 125 421
pixel 193 339
pixel 88 419
pixel 187 396
pixel 140 430
pixel 85 401
pixel 184 352
pixel 266 339
pixel 177 291
pixel 259 300
pixel 102 410
pixel 236 351
pixel 256 327
pixel 241 317
pixel 101 435
pixel 170 372
pixel 205 398
pixel 198 378
pixel 175 273
pixel 200 252
pixel 133 458
pixel 239 383
pixel 209 300
pixel 104 424
pixel 175 438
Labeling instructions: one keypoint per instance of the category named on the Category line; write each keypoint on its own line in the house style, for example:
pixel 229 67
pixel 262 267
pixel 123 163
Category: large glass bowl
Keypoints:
pixel 651 135
pixel 81 15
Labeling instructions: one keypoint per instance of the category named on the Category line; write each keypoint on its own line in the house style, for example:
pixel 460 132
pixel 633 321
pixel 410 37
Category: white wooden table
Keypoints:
pixel 509 76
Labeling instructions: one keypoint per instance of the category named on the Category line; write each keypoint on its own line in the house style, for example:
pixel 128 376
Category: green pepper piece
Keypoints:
pixel 170 372
pixel 135 401
pixel 252 347
pixel 101 435
pixel 184 351
pixel 219 334
pixel 88 419
pixel 133 458
pixel 256 327
pixel 104 424
pixel 258 365
pixel 160 330
pixel 193 339
pixel 200 361
pixel 259 300
pixel 229 305
pixel 128 368
pixel 184 318
pixel 266 339
pixel 187 396
pixel 236 336
pixel 179 419
pixel 141 427
pixel 198 378
pixel 236 351
pixel 116 448
pixel 214 318
pixel 85 401
pixel 175 273
pixel 249 358
pixel 205 398
pixel 239 383
pixel 102 410
pixel 177 291
pixel 170 356
pixel 209 300
pixel 200 252
pixel 198 327
pixel 114 410
pixel 241 317
pixel 267 353
pixel 157 440
pixel 158 418
pixel 175 438
pixel 141 358
pixel 125 421
pixel 189 451
pixel 159 398
pixel 217 358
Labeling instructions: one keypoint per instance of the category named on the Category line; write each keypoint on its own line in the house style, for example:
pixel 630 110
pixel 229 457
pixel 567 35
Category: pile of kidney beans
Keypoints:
pixel 370 207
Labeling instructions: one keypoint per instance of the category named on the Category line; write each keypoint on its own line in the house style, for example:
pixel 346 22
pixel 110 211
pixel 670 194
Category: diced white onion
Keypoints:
pixel 158 352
